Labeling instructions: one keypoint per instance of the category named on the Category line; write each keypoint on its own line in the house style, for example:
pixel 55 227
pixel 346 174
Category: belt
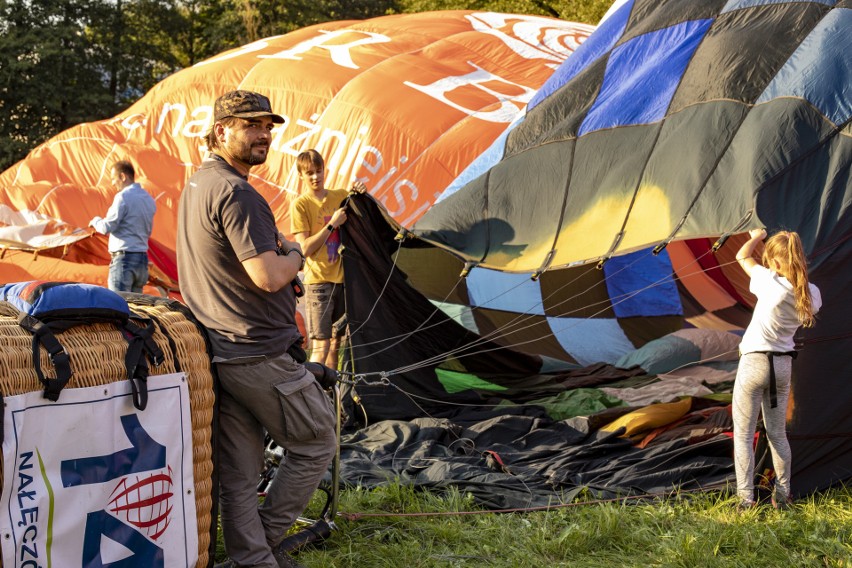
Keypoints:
pixel 295 351
pixel 124 252
pixel 773 387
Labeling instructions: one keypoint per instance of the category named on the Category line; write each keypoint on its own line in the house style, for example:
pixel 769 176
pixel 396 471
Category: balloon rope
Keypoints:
pixel 406 335
pixel 397 339
pixel 520 318
pixel 384 287
pixel 432 360
pixel 436 359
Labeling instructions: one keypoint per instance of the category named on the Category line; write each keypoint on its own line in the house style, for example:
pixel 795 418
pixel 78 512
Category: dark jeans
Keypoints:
pixel 128 271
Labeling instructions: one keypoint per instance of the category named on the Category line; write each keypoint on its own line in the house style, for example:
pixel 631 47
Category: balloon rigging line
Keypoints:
pixel 455 352
pixel 403 336
pixel 485 339
pixel 440 357
pixel 442 402
pixel 381 293
pixel 385 382
pixel 501 331
pixel 437 309
pixel 625 298
pixel 421 327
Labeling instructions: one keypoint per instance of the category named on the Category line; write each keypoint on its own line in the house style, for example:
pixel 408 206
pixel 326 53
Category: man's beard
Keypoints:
pixel 245 153
pixel 255 160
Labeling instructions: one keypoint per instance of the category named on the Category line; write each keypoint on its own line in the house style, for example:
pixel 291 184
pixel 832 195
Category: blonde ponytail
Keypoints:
pixel 786 249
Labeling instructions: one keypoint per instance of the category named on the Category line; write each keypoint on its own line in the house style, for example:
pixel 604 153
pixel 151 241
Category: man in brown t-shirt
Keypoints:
pixel 235 271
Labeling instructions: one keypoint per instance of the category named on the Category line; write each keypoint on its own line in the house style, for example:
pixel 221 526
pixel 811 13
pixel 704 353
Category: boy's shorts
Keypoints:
pixel 325 304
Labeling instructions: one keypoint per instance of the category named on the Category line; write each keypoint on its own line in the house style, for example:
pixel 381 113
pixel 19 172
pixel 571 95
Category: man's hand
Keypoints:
pixel 287 245
pixel 358 187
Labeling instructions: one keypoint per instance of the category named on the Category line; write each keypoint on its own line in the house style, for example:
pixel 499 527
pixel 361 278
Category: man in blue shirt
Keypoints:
pixel 128 223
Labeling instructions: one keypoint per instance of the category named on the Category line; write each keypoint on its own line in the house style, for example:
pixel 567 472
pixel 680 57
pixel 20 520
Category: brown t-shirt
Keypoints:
pixel 223 220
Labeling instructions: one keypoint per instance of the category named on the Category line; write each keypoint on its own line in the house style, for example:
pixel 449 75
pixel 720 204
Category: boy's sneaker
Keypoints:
pixel 744 506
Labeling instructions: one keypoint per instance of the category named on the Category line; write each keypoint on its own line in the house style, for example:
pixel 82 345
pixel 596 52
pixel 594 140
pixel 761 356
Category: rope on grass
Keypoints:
pixel 625 499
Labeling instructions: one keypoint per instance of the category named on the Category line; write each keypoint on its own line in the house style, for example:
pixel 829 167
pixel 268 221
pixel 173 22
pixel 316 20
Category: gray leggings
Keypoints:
pixel 751 391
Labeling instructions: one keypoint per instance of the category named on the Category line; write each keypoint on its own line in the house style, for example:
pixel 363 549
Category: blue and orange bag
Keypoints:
pixel 46 308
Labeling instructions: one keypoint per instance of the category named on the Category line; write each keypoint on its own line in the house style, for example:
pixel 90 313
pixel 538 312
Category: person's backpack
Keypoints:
pixel 45 308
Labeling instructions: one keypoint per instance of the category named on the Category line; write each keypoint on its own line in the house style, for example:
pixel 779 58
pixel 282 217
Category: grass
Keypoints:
pixel 695 530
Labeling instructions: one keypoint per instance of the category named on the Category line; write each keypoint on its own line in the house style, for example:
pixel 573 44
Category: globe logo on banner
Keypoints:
pixel 145 503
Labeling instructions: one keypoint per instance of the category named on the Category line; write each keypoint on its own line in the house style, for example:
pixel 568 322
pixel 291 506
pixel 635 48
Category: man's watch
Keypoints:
pixel 330 228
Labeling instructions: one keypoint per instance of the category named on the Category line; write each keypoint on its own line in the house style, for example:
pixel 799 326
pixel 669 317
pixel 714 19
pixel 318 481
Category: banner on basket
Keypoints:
pixel 90 481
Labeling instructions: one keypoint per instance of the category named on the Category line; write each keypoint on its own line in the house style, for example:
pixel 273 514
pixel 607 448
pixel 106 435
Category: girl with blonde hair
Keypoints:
pixel 785 301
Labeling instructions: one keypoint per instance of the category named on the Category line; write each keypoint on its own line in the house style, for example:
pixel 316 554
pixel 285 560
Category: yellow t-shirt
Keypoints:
pixel 310 215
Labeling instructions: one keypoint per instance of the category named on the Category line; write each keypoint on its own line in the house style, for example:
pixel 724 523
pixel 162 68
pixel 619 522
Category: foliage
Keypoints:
pixel 586 11
pixel 64 62
pixel 51 73
pixel 688 530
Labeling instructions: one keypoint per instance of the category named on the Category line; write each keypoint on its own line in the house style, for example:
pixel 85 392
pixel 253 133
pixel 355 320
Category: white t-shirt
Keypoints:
pixel 774 321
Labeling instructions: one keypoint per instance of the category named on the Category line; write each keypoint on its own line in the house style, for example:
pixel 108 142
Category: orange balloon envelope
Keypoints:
pixel 404 103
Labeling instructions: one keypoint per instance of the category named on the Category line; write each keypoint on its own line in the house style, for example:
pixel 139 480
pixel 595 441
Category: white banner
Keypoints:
pixel 90 481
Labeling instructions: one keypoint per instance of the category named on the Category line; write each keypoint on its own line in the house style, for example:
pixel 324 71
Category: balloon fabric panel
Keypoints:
pixel 820 70
pixel 737 55
pixel 649 16
pixel 597 46
pixel 642 75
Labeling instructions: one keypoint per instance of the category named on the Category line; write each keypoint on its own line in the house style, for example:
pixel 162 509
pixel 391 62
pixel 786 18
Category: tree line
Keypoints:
pixel 65 62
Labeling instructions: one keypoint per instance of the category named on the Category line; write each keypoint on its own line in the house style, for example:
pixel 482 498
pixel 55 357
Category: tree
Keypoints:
pixel 51 75
pixel 63 62
pixel 586 11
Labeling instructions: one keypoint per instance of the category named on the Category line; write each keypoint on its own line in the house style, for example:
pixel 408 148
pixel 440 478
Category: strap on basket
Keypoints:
pixel 139 344
pixel 58 356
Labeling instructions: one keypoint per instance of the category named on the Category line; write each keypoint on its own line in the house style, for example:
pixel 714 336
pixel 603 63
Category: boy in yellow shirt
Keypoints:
pixel 314 220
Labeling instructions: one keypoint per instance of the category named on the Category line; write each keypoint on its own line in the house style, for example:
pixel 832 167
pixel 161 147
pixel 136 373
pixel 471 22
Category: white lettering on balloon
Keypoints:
pixel 532 37
pixel 509 104
pixel 339 52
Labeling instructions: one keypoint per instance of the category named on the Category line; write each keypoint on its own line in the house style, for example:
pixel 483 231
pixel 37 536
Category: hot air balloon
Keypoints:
pixel 633 174
pixel 402 102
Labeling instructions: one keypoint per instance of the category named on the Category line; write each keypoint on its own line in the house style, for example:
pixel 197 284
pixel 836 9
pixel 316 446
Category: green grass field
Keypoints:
pixel 405 528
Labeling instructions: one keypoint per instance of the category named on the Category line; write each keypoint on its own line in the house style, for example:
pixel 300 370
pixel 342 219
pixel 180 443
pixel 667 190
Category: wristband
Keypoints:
pixel 330 228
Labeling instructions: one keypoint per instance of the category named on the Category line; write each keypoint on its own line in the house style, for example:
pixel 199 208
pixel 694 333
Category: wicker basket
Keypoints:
pixel 97 357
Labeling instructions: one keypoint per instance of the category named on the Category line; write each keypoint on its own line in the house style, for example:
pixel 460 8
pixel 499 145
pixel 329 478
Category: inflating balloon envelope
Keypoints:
pixel 402 102
pixel 609 216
